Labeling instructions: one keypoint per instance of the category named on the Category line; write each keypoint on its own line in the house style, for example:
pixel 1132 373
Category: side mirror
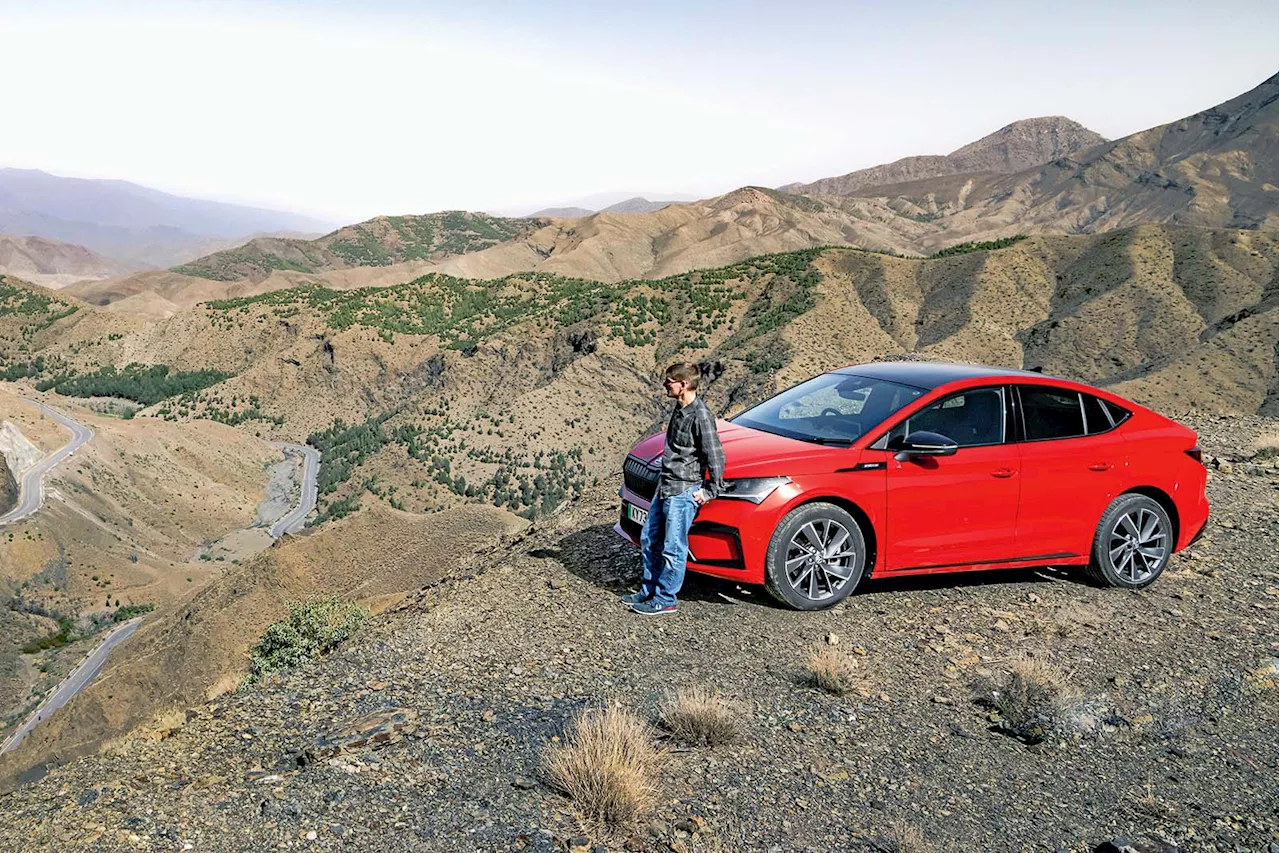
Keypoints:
pixel 924 443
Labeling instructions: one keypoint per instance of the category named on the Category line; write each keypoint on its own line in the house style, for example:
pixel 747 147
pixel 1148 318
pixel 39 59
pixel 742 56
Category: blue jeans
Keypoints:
pixel 664 545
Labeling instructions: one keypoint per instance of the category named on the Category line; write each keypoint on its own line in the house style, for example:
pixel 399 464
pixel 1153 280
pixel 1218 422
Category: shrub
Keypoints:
pixel 833 671
pixel 313 628
pixel 608 767
pixel 1034 701
pixel 124 614
pixel 699 716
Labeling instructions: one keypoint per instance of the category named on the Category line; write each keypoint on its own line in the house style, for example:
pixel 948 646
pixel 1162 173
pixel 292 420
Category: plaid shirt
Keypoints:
pixel 692 452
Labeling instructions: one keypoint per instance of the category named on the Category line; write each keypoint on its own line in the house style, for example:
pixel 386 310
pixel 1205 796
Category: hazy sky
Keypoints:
pixel 349 110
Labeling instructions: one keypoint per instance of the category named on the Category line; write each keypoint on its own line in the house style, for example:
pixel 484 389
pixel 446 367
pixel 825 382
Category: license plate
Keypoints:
pixel 636 514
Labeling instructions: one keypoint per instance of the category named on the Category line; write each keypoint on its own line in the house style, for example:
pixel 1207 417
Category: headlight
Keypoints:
pixel 754 489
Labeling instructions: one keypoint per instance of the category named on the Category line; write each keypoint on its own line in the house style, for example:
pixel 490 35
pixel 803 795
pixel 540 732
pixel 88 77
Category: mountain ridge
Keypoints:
pixel 1015 147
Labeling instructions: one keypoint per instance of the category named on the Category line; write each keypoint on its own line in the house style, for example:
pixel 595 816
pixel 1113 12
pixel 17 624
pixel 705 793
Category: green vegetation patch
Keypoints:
pixel 314 627
pixel 129 611
pixel 55 640
pixel 989 245
pixel 142 383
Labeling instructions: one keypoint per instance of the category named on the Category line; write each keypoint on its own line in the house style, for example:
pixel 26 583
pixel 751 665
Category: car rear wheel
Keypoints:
pixel 816 557
pixel 1133 543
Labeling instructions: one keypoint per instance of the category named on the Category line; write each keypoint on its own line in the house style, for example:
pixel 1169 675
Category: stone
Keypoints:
pixel 524 783
pixel 832 639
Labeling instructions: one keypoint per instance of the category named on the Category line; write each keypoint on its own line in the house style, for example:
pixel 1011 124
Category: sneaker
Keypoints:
pixel 652 608
pixel 634 598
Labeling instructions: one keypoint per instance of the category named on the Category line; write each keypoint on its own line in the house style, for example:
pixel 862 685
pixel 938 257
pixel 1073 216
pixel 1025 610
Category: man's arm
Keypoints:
pixel 712 452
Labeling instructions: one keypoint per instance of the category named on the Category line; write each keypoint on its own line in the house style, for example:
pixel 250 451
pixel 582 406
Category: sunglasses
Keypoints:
pixel 673 381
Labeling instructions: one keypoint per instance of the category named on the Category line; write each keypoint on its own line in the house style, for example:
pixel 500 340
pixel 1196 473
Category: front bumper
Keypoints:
pixel 724 541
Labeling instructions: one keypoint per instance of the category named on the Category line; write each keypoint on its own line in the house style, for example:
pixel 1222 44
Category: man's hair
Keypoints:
pixel 685 371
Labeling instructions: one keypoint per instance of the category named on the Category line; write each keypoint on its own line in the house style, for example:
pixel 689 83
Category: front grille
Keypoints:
pixel 639 478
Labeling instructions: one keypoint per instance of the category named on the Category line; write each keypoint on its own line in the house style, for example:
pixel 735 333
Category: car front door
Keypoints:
pixel 946 511
pixel 1073 465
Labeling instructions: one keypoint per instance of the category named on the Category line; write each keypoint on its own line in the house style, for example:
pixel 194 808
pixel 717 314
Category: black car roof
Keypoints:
pixel 929 374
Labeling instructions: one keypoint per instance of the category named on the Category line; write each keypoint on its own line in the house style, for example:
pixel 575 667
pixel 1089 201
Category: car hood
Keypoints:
pixel 754 453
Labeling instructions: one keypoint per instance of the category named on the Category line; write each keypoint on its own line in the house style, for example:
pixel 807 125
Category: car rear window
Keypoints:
pixel 1051 413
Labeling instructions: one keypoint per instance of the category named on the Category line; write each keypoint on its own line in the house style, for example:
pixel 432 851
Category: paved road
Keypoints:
pixel 78 680
pixel 31 489
pixel 293 521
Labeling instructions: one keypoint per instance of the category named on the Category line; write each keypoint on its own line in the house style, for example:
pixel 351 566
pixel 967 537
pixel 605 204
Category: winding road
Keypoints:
pixel 293 521
pixel 31 489
pixel 80 678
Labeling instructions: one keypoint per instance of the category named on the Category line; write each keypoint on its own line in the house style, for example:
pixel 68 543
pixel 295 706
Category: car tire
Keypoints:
pixel 814 581
pixel 1133 543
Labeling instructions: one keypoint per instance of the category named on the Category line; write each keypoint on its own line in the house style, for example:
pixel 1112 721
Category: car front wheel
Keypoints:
pixel 1133 543
pixel 816 557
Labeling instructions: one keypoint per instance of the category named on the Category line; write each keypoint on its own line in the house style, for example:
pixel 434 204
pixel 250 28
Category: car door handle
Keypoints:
pixel 1002 473
pixel 1100 466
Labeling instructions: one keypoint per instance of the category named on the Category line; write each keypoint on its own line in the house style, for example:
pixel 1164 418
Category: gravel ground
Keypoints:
pixel 472 679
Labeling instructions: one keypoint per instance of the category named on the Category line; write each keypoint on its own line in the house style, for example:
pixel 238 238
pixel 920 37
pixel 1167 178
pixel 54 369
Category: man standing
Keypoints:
pixel 692 474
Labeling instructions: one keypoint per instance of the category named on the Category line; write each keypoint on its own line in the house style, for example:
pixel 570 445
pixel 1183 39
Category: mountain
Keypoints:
pixel 133 224
pixel 562 213
pixel 1021 145
pixel 1216 169
pixel 52 263
pixel 637 204
pixel 381 241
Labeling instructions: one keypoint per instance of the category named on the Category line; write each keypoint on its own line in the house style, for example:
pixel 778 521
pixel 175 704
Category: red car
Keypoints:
pixel 903 468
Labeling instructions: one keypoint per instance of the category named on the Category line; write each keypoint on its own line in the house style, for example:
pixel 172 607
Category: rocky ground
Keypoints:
pixel 425 731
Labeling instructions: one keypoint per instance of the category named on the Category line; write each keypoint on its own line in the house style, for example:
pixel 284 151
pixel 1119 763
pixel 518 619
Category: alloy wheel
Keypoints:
pixel 1138 545
pixel 820 559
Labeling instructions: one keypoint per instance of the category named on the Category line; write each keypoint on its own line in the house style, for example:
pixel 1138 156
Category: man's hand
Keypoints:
pixel 700 497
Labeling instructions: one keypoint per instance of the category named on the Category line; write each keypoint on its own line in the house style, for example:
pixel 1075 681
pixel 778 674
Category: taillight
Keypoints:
pixel 1195 454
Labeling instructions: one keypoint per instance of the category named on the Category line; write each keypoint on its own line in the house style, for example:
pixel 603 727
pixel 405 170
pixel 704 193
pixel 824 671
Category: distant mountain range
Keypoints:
pixel 52 263
pixel 1214 169
pixel 130 224
pixel 611 203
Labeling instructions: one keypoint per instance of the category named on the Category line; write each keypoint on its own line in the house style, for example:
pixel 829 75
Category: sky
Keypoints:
pixel 346 111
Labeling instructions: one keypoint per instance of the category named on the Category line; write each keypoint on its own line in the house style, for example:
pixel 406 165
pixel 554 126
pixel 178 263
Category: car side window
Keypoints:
pixel 1051 413
pixel 970 418
pixel 1096 419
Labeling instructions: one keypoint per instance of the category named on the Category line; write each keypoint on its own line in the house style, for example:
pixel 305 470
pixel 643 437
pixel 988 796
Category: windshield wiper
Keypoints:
pixel 835 442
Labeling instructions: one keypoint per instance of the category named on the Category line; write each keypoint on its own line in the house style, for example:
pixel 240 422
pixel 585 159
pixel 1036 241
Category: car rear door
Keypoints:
pixel 947 511
pixel 1073 465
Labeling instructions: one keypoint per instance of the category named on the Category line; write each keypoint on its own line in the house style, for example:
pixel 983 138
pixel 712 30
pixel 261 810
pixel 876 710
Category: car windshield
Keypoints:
pixel 834 408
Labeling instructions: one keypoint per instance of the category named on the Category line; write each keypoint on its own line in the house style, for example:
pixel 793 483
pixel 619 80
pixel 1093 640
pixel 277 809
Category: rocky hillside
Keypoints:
pixel 51 263
pixel 1015 147
pixel 427 730
pixel 382 241
pixel 8 488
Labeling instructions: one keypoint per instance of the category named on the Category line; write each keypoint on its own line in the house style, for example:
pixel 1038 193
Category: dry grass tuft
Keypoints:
pixel 1034 700
pixel 608 767
pixel 904 837
pixel 834 671
pixel 1152 806
pixel 698 715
